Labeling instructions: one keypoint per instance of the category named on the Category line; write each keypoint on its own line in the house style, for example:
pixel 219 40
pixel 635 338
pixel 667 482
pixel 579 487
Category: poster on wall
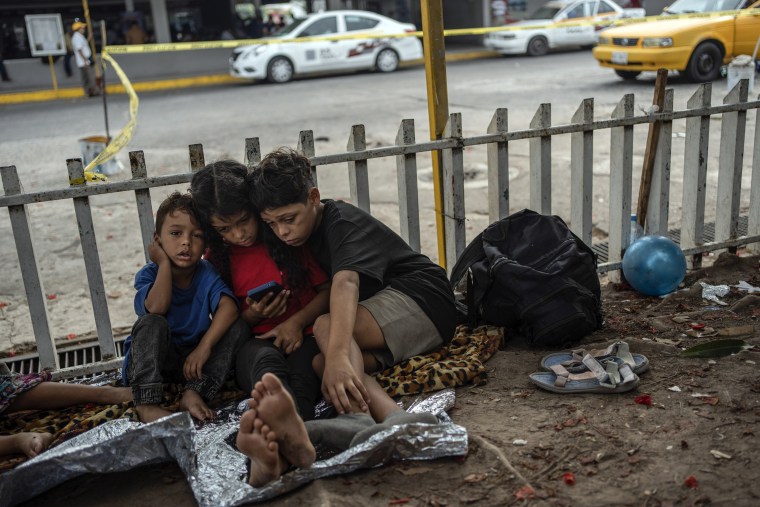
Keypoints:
pixel 45 34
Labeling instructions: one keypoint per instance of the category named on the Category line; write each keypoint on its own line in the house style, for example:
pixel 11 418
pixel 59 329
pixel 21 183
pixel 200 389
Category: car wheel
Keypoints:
pixel 538 46
pixel 387 60
pixel 627 74
pixel 279 70
pixel 705 62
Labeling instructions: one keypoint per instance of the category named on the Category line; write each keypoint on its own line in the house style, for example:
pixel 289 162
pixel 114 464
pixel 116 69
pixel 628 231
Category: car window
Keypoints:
pixel 324 26
pixel 354 22
pixel 578 11
pixel 604 7
pixel 690 6
pixel 545 13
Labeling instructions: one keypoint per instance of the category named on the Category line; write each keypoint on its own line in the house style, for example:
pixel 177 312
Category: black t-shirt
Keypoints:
pixel 351 239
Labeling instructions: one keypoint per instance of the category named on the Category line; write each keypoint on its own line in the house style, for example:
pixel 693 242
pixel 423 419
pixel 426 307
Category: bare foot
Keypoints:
pixel 150 413
pixel 276 408
pixel 193 402
pixel 258 442
pixel 32 444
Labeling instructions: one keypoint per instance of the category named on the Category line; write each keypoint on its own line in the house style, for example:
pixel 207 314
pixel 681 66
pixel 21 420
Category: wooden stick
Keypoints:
pixel 651 148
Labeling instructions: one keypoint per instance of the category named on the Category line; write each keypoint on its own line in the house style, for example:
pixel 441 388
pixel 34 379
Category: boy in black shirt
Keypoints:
pixel 387 302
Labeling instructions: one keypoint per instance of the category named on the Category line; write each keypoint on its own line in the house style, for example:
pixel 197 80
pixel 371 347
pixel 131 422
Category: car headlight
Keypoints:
pixel 259 49
pixel 658 42
pixel 604 40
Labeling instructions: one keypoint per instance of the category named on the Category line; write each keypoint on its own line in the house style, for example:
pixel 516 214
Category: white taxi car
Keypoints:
pixel 283 56
pixel 584 20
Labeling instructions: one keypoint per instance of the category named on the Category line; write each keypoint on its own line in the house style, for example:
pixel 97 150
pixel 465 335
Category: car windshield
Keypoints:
pixel 545 13
pixel 689 6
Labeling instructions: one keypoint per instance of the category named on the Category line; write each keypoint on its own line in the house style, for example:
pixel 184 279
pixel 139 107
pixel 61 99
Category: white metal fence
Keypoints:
pixel 730 229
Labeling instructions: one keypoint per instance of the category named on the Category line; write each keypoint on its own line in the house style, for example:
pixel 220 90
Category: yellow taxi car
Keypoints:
pixel 696 47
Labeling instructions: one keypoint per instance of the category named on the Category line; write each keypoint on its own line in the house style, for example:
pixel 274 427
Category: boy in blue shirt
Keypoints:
pixel 187 329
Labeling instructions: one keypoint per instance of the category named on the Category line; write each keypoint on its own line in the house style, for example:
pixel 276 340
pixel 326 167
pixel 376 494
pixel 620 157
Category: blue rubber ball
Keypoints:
pixel 654 265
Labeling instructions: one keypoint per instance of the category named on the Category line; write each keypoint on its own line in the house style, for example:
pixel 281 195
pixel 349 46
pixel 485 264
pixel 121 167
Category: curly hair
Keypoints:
pixel 175 202
pixel 223 189
pixel 282 178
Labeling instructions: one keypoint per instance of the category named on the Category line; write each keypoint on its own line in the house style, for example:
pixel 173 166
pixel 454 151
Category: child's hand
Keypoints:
pixel 156 252
pixel 340 382
pixel 288 336
pixel 193 367
pixel 269 306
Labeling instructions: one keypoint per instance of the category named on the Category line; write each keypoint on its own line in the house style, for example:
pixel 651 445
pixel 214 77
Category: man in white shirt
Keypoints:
pixel 82 54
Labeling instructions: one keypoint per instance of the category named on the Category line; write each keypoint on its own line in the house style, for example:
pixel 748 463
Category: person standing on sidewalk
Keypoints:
pixel 83 57
pixel 3 73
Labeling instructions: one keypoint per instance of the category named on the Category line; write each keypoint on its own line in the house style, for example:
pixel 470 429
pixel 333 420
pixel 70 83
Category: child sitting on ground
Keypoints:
pixel 188 329
pixel 281 323
pixel 387 302
pixel 34 391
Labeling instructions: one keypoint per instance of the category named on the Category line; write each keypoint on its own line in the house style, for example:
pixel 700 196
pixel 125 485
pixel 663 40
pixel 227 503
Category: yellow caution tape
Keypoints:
pixel 188 46
pixel 123 137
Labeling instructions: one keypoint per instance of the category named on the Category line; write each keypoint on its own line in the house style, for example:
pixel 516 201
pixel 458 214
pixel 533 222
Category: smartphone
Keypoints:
pixel 262 290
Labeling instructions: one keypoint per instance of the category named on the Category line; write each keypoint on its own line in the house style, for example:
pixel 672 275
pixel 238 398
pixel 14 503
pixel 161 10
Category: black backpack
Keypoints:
pixel 529 273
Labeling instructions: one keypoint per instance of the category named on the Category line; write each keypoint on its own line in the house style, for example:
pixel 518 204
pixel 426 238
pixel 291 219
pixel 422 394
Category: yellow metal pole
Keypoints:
pixel 438 102
pixel 52 73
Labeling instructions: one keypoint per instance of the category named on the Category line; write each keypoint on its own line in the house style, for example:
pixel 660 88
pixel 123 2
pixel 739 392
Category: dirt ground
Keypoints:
pixel 694 445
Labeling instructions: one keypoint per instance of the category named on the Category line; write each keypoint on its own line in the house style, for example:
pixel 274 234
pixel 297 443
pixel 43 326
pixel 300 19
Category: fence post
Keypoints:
pixel 498 168
pixel 252 152
pixel 30 272
pixel 582 173
pixel 753 220
pixel 408 199
pixel 306 146
pixel 621 172
pixel 358 180
pixel 696 147
pixel 732 132
pixel 197 160
pixel 453 192
pixel 541 162
pixel 142 197
pixel 92 263
pixel 659 195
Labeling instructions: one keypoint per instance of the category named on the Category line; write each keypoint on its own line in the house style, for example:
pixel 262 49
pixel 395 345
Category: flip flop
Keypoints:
pixel 614 376
pixel 573 360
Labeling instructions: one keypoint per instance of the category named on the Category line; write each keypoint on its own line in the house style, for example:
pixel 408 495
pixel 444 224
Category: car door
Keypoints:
pixel 360 53
pixel 315 56
pixel 746 33
pixel 579 30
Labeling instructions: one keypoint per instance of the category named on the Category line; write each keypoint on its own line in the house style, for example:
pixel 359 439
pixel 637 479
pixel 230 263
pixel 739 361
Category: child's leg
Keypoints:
pixel 151 339
pixel 30 444
pixel 303 380
pixel 55 395
pixel 215 371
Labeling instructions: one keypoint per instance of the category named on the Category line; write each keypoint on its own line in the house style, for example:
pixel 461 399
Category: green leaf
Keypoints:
pixel 717 348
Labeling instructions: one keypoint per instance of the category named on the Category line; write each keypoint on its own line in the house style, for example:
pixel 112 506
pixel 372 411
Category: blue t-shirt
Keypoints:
pixel 191 309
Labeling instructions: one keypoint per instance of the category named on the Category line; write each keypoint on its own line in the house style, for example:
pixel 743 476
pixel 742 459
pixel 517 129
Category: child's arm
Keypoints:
pixel 159 296
pixel 340 376
pixel 225 315
pixel 288 336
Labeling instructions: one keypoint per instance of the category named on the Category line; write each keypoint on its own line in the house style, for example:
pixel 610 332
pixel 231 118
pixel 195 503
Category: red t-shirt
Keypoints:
pixel 252 266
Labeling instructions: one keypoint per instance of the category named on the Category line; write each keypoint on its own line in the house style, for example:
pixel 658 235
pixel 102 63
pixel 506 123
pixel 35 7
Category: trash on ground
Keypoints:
pixel 703 333
pixel 675 389
pixel 737 331
pixel 691 482
pixel 716 348
pixel 519 441
pixel 720 455
pixel 742 285
pixel 714 292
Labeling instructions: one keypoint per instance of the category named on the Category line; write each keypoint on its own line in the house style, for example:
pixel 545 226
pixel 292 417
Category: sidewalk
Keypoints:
pixel 33 81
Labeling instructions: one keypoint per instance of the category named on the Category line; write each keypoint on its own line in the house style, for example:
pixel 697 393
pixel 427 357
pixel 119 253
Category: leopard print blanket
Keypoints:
pixel 456 364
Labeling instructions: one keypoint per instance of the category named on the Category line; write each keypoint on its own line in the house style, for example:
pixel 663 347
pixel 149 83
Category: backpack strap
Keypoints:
pixel 473 253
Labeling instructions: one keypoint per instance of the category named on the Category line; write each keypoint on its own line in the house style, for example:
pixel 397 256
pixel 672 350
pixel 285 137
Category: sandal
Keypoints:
pixel 573 360
pixel 614 376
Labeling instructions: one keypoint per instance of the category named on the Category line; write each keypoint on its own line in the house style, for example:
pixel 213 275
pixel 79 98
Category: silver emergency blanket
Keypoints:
pixel 215 470
pixel 714 292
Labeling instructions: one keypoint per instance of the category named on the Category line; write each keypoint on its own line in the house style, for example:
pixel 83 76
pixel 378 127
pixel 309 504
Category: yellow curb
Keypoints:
pixel 187 82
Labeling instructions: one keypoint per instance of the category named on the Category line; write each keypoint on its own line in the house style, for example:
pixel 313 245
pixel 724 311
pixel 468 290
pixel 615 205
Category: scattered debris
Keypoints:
pixel 737 331
pixel 691 482
pixel 675 389
pixel 643 399
pixel 569 478
pixel 716 348
pixel 714 292
pixel 720 455
pixel 519 441
pixel 742 285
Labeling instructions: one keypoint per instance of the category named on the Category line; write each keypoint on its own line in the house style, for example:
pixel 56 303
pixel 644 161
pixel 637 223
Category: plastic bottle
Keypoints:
pixel 636 230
